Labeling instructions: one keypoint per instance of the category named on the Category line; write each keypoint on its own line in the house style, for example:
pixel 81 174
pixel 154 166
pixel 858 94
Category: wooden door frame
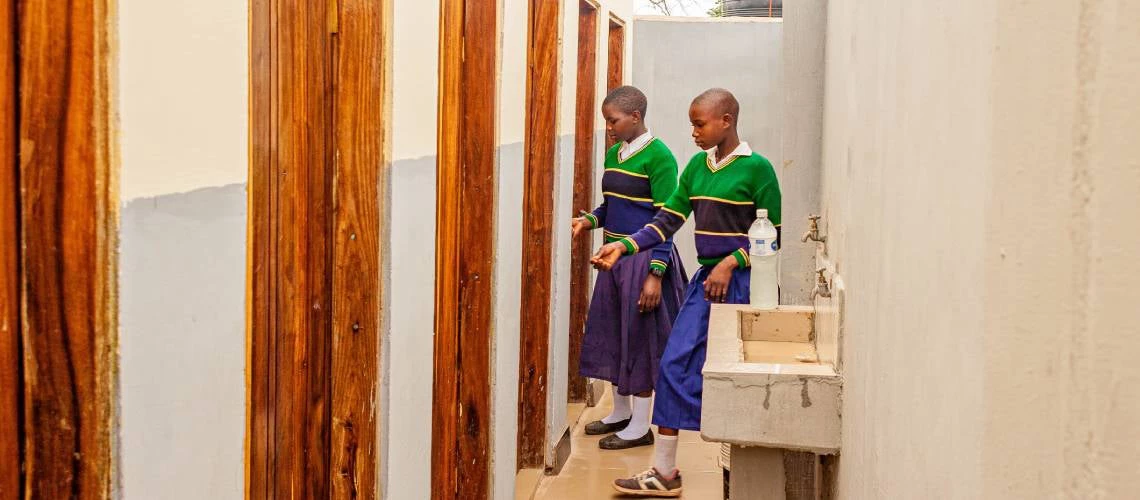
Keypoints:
pixel 319 106
pixel 615 63
pixel 464 273
pixel 543 30
pixel 11 377
pixel 58 237
pixel 584 132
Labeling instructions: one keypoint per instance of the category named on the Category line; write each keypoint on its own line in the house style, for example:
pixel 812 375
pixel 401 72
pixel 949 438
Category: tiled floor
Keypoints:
pixel 590 471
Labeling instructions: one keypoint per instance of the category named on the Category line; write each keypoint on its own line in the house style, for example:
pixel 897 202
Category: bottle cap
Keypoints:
pixel 762 213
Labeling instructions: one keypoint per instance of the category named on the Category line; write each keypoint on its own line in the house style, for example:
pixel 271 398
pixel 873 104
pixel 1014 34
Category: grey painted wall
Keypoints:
pixel 508 303
pixel 676 59
pixel 805 33
pixel 182 344
pixel 560 300
pixel 408 345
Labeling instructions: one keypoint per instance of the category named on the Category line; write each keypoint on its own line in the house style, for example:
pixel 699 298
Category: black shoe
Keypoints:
pixel 597 427
pixel 613 442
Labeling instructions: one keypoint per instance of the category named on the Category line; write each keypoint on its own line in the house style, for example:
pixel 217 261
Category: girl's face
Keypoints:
pixel 619 125
pixel 709 127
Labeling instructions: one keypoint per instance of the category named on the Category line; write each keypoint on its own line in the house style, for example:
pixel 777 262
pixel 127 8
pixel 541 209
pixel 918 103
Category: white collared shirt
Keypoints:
pixel 741 150
pixel 629 148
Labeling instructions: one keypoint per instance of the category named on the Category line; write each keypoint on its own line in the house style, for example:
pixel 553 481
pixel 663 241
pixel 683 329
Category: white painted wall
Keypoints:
pixel 508 245
pixel 977 175
pixel 672 70
pixel 408 347
pixel 162 47
pixel 183 80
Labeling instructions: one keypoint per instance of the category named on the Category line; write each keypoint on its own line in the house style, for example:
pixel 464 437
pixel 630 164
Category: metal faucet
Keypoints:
pixel 822 287
pixel 813 232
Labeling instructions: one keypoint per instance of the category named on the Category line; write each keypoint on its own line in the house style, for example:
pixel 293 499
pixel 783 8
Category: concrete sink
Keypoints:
pixel 765 384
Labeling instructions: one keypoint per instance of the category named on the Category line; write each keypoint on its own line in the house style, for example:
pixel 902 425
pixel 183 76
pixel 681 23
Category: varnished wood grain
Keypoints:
pixel 615 65
pixel 584 122
pixel 360 61
pixel 259 257
pixel 67 215
pixel 445 387
pixel 316 170
pixel 461 416
pixel 537 236
pixel 615 73
pixel 11 382
pixel 476 263
pixel 303 166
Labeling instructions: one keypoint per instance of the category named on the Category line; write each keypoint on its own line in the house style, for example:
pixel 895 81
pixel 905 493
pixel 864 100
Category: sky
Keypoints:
pixel 679 7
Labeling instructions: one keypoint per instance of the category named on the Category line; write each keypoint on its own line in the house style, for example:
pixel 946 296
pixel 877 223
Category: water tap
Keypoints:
pixel 822 287
pixel 813 232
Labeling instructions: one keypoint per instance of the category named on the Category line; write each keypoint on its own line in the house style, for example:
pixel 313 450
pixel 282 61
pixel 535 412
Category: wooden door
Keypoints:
pixel 57 237
pixel 615 66
pixel 317 163
pixel 461 395
pixel 584 129
pixel 537 229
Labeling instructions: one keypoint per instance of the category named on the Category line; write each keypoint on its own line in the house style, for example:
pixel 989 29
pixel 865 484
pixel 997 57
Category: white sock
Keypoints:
pixel 639 423
pixel 665 454
pixel 621 409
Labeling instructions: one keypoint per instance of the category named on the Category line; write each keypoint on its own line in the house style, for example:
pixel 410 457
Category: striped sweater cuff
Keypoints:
pixel 742 259
pixel 659 265
pixel 593 220
pixel 630 245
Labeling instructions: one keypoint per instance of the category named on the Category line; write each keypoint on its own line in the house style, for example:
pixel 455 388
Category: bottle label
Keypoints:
pixel 762 247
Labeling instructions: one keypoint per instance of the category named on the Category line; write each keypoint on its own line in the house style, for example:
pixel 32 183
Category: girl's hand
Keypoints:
pixel 650 293
pixel 608 255
pixel 579 224
pixel 716 285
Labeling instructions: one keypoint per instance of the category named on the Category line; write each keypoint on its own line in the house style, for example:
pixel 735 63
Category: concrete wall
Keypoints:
pixel 408 346
pixel 182 253
pixel 508 245
pixel 672 70
pixel 976 172
pixel 805 30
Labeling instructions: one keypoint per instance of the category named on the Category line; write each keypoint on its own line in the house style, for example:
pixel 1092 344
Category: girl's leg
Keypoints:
pixel 665 452
pixel 622 408
pixel 639 421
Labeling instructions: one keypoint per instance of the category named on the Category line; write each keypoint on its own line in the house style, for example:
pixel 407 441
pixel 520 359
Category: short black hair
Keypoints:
pixel 722 100
pixel 628 99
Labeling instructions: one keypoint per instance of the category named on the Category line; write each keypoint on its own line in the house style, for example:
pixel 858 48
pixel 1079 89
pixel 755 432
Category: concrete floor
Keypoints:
pixel 590 471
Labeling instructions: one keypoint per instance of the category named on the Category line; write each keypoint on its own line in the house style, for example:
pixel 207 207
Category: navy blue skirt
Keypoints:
pixel 623 345
pixel 677 404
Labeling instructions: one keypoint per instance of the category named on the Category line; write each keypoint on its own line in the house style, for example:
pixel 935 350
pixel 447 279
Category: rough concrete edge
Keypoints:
pixel 748 371
pixel 832 385
pixel 382 396
pixel 712 20
pixel 818 450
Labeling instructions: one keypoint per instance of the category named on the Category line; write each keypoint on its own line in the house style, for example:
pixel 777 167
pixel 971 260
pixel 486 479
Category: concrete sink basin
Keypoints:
pixel 765 384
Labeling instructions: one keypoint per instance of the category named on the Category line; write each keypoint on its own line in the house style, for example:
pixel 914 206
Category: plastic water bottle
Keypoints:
pixel 764 253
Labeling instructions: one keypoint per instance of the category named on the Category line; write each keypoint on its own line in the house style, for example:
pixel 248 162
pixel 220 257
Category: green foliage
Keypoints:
pixel 717 10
